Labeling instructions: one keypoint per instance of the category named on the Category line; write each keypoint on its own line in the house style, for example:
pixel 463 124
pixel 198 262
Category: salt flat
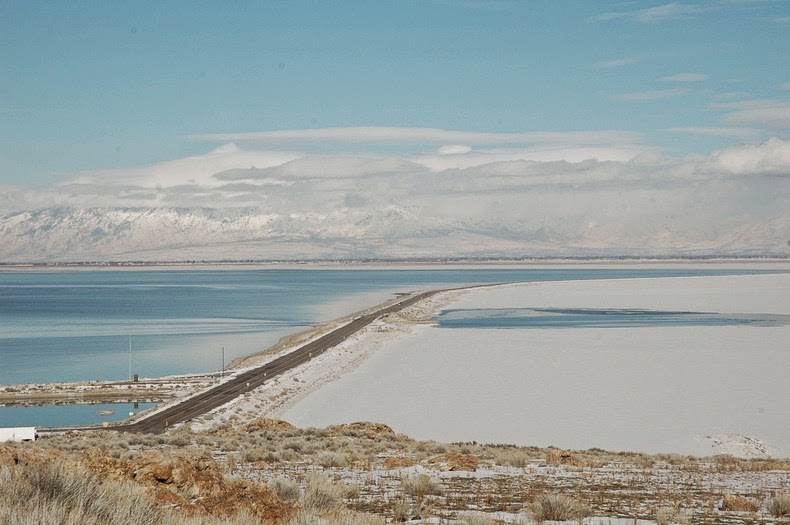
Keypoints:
pixel 642 388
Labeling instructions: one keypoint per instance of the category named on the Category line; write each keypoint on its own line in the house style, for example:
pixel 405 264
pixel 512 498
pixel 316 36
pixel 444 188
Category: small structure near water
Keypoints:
pixel 18 434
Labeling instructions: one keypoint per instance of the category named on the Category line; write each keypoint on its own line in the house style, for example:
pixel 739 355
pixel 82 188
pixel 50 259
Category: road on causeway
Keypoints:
pixel 246 381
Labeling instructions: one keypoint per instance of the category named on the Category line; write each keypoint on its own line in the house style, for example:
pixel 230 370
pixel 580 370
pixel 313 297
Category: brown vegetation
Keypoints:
pixel 779 506
pixel 557 507
pixel 737 503
pixel 267 471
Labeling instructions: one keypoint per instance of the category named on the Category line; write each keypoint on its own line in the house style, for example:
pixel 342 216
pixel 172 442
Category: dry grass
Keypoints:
pixel 557 507
pixel 67 493
pixel 735 503
pixel 371 470
pixel 321 495
pixel 286 490
pixel 671 517
pixel 420 486
pixel 555 456
pixel 779 506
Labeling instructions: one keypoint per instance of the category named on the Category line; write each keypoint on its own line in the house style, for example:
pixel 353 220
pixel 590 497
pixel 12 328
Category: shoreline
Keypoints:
pixel 275 397
pixel 147 390
pixel 165 390
pixel 559 262
pixel 682 402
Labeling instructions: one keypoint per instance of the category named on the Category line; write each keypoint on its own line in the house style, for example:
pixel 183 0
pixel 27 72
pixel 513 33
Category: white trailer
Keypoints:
pixel 18 434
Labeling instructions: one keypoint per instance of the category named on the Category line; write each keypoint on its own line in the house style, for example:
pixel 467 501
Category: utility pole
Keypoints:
pixel 130 357
pixel 222 374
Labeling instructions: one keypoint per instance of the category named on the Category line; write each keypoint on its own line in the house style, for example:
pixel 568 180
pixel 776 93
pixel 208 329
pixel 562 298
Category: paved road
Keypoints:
pixel 244 382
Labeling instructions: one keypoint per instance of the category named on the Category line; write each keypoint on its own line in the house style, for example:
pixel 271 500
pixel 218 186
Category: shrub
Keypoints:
pixel 68 493
pixel 557 507
pixel 518 458
pixel 345 517
pixel 321 495
pixel 779 506
pixel 738 504
pixel 253 454
pixel 403 510
pixel 670 517
pixel 331 459
pixel 286 490
pixel 420 486
pixel 726 463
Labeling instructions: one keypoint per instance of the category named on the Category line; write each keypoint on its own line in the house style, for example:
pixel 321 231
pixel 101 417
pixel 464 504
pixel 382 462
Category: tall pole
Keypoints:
pixel 130 357
pixel 223 362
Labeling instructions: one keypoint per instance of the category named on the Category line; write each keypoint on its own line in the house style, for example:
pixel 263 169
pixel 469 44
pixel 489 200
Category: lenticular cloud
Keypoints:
pixel 556 199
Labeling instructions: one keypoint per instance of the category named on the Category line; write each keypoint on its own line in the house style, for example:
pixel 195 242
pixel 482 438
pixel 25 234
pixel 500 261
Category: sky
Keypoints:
pixel 94 85
pixel 101 97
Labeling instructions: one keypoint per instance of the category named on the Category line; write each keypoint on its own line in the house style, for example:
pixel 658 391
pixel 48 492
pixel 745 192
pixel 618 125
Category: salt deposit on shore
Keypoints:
pixel 646 388
pixel 280 393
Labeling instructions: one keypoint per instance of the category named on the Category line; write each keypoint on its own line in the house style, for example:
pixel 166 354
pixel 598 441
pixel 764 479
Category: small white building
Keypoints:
pixel 18 434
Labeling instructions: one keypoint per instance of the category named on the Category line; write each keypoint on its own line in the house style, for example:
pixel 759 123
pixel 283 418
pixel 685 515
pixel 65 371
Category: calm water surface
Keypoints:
pixel 75 325
pixel 68 415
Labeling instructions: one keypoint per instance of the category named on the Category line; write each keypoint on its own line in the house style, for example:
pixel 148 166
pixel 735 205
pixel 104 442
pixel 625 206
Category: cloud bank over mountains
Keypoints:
pixel 411 192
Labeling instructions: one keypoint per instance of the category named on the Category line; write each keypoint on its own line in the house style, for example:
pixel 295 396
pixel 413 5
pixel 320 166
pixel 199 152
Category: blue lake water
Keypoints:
pixel 68 415
pixel 76 324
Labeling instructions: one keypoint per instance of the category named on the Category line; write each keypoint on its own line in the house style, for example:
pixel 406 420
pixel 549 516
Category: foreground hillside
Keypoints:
pixel 267 471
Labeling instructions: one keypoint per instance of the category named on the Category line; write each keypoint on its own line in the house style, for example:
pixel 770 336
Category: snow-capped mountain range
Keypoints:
pixel 157 234
pixel 234 204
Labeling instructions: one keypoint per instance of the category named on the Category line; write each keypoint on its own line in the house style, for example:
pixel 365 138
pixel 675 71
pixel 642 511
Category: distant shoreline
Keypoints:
pixel 384 264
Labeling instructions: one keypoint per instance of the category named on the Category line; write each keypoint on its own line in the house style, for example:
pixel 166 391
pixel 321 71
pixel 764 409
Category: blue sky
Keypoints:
pixel 103 85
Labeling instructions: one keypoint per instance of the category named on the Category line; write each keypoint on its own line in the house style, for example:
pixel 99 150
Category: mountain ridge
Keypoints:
pixel 60 234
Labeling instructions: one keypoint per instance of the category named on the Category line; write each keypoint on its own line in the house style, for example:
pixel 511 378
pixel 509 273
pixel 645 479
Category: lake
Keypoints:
pixel 74 325
pixel 79 324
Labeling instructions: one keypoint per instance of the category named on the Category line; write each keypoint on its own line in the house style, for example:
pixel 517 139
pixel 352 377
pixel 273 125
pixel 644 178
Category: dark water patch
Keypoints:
pixel 597 318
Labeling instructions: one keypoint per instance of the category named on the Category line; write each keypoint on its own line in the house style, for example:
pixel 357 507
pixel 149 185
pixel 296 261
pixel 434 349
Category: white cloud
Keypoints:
pixel 483 157
pixel 641 96
pixel 769 113
pixel 454 149
pixel 418 136
pixel 198 169
pixel 230 176
pixel 785 86
pixel 772 156
pixel 660 13
pixel 485 197
pixel 617 62
pixel 741 133
pixel 684 77
pixel 327 167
